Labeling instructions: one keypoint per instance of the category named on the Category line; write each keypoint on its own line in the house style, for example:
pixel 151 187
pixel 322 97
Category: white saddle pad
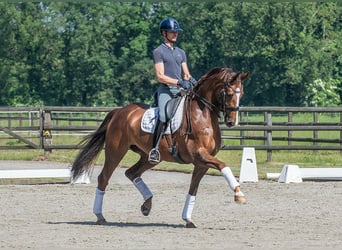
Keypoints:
pixel 151 116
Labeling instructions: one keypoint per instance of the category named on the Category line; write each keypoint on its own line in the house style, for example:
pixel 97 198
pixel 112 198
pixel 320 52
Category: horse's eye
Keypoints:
pixel 230 94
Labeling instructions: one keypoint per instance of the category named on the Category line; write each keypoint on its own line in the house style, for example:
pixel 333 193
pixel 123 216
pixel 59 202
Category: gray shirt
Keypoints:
pixel 172 59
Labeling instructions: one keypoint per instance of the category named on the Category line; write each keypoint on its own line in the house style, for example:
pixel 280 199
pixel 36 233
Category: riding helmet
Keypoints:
pixel 169 24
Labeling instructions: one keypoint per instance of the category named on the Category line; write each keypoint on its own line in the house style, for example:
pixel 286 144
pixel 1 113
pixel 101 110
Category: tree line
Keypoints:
pixel 100 54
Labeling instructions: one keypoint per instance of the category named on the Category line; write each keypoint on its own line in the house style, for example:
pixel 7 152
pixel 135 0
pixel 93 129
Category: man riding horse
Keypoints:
pixel 198 139
pixel 170 65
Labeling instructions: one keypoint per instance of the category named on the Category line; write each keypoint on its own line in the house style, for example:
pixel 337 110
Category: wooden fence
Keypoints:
pixel 264 128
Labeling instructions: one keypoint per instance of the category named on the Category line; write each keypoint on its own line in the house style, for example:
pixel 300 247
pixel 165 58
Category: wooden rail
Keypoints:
pixel 264 128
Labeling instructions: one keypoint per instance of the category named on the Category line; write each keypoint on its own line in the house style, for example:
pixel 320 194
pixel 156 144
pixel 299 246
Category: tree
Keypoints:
pixel 100 54
pixel 13 67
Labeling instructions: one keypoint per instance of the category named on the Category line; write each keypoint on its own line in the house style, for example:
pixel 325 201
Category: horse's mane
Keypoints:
pixel 216 73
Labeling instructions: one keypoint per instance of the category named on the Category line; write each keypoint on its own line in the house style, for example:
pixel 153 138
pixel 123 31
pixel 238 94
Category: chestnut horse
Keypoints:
pixel 197 140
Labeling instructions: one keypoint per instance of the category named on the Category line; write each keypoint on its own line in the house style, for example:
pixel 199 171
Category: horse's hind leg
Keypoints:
pixel 113 157
pixel 134 174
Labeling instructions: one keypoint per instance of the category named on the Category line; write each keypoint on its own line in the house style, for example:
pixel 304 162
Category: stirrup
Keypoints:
pixel 154 156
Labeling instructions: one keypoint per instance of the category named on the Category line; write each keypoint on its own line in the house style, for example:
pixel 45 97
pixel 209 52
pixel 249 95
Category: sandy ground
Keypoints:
pixel 277 216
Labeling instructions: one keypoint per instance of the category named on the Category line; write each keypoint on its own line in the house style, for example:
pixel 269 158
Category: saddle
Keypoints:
pixel 174 112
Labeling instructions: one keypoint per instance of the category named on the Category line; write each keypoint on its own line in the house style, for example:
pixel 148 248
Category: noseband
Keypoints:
pixel 223 96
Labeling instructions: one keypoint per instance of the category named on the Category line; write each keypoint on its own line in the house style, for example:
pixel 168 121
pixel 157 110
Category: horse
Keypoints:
pixel 198 140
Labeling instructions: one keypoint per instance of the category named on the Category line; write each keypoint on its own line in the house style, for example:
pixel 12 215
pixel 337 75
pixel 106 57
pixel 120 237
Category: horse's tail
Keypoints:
pixel 93 144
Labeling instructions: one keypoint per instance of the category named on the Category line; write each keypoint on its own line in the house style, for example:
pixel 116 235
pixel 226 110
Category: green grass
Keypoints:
pixel 232 158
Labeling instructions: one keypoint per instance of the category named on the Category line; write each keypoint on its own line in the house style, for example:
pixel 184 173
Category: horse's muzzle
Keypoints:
pixel 230 122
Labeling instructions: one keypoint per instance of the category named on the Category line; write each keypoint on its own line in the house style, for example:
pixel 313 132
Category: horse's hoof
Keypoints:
pixel 101 222
pixel 241 199
pixel 146 207
pixel 190 224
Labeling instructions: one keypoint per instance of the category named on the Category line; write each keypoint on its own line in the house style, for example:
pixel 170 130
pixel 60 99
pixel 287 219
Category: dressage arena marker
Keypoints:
pixel 294 174
pixel 43 173
pixel 248 169
pixel 290 173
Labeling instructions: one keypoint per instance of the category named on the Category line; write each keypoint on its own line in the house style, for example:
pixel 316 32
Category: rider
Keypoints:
pixel 171 69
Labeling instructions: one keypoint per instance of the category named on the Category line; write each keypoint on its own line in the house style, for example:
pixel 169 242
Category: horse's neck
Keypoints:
pixel 208 92
pixel 207 96
pixel 204 126
pixel 204 115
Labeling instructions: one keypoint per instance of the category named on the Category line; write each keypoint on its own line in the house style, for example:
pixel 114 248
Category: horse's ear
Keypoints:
pixel 233 76
pixel 244 75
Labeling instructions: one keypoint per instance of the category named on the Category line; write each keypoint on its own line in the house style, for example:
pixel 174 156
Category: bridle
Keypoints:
pixel 212 107
pixel 223 96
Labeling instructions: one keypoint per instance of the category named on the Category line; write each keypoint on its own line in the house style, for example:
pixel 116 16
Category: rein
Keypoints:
pixel 205 102
pixel 189 96
pixel 223 95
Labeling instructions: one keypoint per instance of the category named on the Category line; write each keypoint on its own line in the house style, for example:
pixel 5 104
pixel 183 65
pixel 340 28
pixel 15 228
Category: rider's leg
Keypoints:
pixel 154 155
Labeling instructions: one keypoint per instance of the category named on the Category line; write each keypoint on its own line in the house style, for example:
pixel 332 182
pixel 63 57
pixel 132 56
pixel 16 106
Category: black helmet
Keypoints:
pixel 169 24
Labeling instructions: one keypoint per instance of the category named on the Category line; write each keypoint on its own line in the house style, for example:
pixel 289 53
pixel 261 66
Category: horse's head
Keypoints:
pixel 230 96
pixel 221 89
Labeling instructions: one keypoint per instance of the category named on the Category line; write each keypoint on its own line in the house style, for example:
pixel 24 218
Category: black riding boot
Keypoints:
pixel 154 155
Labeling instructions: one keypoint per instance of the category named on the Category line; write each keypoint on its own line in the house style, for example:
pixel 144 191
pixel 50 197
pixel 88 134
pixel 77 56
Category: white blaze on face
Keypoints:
pixel 237 91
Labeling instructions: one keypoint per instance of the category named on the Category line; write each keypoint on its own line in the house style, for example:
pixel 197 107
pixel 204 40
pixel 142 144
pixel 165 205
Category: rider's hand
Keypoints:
pixel 183 84
pixel 193 81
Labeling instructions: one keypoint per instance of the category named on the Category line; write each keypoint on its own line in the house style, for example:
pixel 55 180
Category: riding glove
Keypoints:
pixel 183 84
pixel 193 81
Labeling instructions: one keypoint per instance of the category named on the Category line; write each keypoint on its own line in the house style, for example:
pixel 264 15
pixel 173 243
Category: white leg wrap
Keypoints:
pixel 143 188
pixel 230 178
pixel 97 209
pixel 188 207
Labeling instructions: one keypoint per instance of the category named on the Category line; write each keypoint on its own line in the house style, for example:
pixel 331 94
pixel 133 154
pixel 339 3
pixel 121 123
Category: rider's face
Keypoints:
pixel 171 36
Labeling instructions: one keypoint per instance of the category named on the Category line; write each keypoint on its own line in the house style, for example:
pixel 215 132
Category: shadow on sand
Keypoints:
pixel 120 224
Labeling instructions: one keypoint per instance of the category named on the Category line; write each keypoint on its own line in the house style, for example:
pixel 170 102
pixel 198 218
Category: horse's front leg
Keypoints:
pixel 227 173
pixel 190 201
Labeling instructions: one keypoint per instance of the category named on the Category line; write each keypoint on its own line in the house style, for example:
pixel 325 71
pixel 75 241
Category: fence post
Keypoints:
pixel 269 136
pixel 315 132
pixel 47 135
pixel 289 133
pixel 9 120
pixel 340 131
pixel 242 133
